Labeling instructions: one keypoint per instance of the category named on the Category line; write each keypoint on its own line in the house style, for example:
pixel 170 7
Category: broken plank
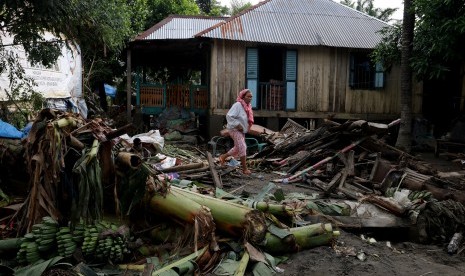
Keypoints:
pixel 216 178
pixel 371 222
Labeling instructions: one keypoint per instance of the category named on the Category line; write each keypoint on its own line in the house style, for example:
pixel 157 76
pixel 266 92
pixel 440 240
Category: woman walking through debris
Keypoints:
pixel 239 121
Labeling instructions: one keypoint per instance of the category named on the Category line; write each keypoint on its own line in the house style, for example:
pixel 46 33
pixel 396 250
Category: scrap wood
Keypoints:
pixel 368 127
pixel 333 183
pixel 437 192
pixel 365 222
pixel 201 169
pixel 292 144
pixel 386 203
pixel 348 159
pixel 314 149
pixel 185 167
pixel 324 161
pixel 216 178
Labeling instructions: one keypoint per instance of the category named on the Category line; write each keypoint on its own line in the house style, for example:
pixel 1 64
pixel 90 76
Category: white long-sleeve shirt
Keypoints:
pixel 237 116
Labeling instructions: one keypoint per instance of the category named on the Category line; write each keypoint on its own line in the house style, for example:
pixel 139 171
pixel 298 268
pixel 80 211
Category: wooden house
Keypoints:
pixel 302 59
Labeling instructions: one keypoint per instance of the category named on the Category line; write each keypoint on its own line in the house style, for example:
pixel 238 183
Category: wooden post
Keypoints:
pixel 128 83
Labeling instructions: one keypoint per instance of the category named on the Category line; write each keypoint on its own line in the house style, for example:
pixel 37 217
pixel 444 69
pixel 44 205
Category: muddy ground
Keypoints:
pixel 394 253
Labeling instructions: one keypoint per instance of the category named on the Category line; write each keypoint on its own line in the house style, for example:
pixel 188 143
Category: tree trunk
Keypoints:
pixel 404 138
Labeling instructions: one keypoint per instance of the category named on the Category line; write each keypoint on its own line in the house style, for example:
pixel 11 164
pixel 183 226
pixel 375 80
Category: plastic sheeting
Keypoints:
pixel 9 131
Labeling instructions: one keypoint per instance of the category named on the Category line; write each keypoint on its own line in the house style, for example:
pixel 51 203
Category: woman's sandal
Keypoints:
pixel 246 172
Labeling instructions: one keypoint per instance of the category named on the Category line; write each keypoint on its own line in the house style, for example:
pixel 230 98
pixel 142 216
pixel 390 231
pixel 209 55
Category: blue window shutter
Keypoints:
pixel 291 79
pixel 379 75
pixel 252 74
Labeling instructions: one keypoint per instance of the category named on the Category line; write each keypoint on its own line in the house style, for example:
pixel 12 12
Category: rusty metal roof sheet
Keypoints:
pixel 301 22
pixel 179 27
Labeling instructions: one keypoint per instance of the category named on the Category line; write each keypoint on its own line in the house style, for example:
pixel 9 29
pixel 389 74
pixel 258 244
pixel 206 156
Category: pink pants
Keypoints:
pixel 240 148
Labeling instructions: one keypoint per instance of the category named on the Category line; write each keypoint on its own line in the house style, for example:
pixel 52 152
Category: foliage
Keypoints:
pixel 205 5
pixel 438 40
pixel 367 6
pixel 20 92
pixel 439 37
pixel 218 10
pixel 160 9
pixel 238 6
pixel 387 52
pixel 101 28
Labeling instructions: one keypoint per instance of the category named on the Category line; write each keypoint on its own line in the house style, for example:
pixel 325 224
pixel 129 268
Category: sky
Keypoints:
pixel 378 4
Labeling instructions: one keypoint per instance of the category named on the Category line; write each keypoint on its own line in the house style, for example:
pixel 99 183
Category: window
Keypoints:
pixel 364 74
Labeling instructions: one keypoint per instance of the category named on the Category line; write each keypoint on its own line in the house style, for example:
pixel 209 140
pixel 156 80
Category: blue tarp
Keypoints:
pixel 110 90
pixel 9 131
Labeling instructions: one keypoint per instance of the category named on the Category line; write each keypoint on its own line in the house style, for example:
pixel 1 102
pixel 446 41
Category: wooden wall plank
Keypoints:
pixel 322 83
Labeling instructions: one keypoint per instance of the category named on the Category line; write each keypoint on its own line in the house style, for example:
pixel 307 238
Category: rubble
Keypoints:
pixel 175 200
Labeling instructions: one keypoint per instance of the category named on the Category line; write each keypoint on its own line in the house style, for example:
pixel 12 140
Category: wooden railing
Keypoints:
pixel 272 95
pixel 156 97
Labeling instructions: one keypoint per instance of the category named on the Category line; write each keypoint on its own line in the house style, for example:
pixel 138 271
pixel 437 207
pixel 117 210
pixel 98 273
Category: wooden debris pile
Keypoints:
pixel 352 161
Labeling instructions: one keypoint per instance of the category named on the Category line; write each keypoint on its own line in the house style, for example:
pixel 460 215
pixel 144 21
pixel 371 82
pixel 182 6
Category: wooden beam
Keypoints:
pixel 216 178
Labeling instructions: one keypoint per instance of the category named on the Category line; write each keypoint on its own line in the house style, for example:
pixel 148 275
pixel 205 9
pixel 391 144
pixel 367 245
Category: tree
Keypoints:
pixel 212 7
pixel 238 6
pixel 160 9
pixel 100 28
pixel 404 138
pixel 439 39
pixel 367 6
pixel 205 5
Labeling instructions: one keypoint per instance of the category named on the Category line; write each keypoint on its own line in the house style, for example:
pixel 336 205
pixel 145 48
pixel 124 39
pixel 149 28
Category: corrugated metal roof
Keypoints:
pixel 301 22
pixel 179 27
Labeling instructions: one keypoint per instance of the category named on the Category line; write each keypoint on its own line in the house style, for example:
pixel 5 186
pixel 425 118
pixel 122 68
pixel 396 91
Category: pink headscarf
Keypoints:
pixel 247 107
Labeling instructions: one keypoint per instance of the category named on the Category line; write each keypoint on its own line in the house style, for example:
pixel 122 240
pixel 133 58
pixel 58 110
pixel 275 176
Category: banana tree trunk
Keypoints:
pixel 183 209
pixel 300 238
pixel 232 218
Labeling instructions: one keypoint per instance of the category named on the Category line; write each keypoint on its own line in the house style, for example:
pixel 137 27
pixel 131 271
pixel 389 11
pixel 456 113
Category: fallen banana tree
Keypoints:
pixel 183 209
pixel 235 219
pixel 299 238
